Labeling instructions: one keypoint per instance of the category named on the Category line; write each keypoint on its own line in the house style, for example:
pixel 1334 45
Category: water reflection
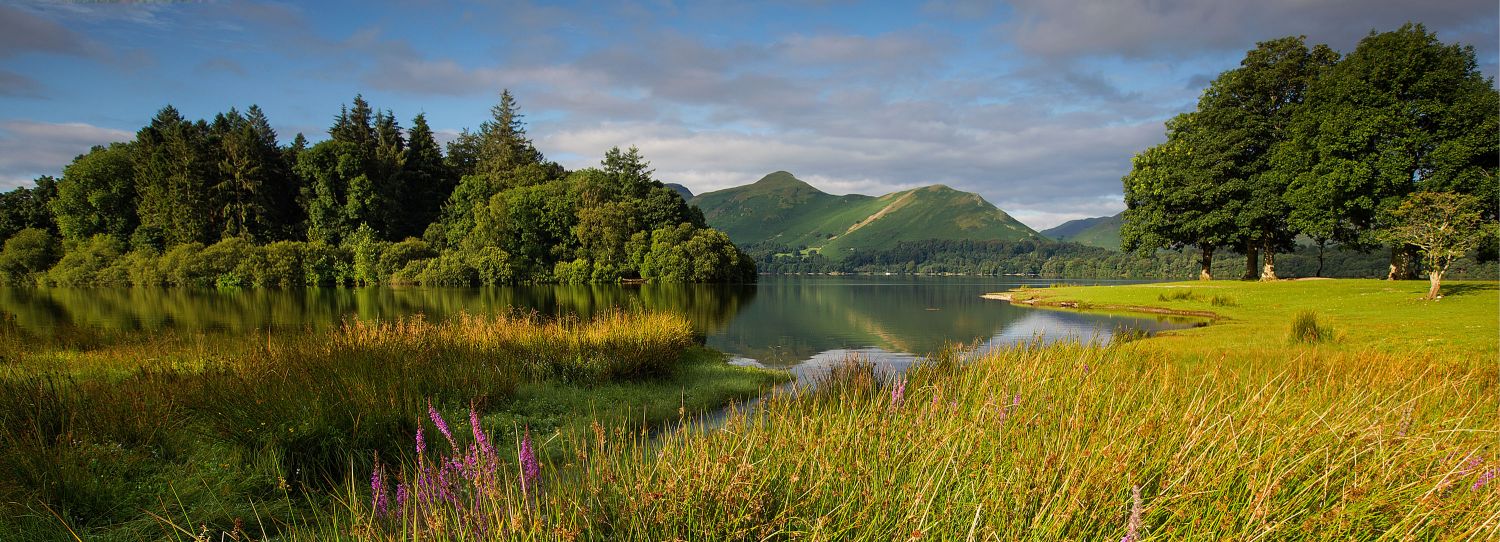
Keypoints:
pixel 801 323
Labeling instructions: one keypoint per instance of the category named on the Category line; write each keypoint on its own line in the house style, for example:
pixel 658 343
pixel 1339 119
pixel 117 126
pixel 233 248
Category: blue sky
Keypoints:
pixel 1037 105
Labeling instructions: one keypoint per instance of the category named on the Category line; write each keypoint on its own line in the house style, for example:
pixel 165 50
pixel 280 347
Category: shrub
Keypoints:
pixel 449 269
pixel 283 264
pixel 27 252
pixel 492 266
pixel 397 255
pixel 81 266
pixel 142 267
pixel 181 264
pixel 575 272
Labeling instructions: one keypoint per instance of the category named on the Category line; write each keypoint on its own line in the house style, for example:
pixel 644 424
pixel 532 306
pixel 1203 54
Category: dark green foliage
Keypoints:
pixel 97 196
pixel 1299 142
pixel 1068 260
pixel 176 168
pixel 689 254
pixel 28 207
pixel 84 264
pixel 1401 112
pixel 1172 195
pixel 221 204
pixel 27 253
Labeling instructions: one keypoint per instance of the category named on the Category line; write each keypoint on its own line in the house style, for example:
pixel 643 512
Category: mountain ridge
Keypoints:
pixel 1101 231
pixel 783 210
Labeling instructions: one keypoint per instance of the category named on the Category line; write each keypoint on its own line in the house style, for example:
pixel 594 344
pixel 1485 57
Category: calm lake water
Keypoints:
pixel 797 323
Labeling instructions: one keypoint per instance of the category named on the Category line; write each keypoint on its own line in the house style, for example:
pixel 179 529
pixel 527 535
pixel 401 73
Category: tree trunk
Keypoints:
pixel 1206 263
pixel 1403 264
pixel 1268 262
pixel 1252 262
pixel 1437 280
pixel 1322 243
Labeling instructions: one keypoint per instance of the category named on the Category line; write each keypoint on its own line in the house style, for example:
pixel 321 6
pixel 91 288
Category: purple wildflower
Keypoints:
pixel 421 441
pixel 378 497
pixel 530 470
pixel 1489 474
pixel 441 424
pixel 1133 528
pixel 401 497
pixel 479 437
pixel 1015 401
pixel 898 393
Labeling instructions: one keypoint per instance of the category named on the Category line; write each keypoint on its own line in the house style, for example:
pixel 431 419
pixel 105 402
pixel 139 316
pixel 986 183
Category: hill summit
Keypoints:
pixel 781 209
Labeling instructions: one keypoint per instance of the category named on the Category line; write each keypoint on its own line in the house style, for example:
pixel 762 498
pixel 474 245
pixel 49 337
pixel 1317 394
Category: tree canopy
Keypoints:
pixel 1300 142
pixel 222 202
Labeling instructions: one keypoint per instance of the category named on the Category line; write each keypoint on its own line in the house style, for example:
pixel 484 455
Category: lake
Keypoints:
pixel 799 323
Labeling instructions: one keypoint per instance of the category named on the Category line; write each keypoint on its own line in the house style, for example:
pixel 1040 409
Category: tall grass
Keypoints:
pixel 1307 328
pixel 285 419
pixel 1065 442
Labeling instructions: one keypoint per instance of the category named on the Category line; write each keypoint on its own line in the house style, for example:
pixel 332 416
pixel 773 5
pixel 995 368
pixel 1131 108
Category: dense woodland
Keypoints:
pixel 223 203
pixel 1301 142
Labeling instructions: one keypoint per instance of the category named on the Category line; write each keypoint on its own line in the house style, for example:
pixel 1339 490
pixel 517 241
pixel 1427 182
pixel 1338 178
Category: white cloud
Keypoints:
pixel 31 149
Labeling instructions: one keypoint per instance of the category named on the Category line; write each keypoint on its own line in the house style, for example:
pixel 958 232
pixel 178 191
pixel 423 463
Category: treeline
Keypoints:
pixel 1395 145
pixel 1049 259
pixel 224 203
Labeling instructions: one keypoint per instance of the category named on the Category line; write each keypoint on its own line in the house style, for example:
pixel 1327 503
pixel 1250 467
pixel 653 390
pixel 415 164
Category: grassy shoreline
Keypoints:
pixel 135 440
pixel 1372 427
pixel 1278 438
pixel 1364 313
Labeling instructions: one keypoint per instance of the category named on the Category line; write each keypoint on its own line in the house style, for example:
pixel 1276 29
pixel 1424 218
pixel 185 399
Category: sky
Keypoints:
pixel 1037 105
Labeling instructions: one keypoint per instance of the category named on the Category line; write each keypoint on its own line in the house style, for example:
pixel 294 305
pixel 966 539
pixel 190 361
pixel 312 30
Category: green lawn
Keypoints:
pixel 1365 314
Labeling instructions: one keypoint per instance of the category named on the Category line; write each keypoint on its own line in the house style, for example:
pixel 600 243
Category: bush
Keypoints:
pixel 397 255
pixel 449 269
pixel 575 272
pixel 142 267
pixel 181 264
pixel 283 264
pixel 26 253
pixel 1307 329
pixel 322 264
pixel 492 266
pixel 81 266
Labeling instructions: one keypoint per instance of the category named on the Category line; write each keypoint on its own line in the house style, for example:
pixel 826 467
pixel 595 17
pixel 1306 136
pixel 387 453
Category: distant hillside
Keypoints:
pixel 681 191
pixel 1102 232
pixel 783 210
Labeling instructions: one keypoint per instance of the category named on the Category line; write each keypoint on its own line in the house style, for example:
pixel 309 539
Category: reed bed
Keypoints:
pixel 1044 443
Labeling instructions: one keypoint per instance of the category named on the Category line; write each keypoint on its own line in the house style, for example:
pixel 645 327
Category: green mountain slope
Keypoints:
pixel 681 191
pixel 783 210
pixel 1102 232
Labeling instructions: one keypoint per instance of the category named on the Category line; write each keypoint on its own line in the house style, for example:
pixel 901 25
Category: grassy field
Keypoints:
pixel 1308 410
pixel 139 437
pixel 1258 432
pixel 1378 315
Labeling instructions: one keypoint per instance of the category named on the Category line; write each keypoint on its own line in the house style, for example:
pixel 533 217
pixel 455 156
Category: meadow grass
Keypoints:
pixel 1363 438
pixel 124 441
pixel 1386 316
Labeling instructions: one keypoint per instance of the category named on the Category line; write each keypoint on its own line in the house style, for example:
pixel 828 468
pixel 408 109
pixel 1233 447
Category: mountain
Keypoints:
pixel 781 209
pixel 1102 232
pixel 681 191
